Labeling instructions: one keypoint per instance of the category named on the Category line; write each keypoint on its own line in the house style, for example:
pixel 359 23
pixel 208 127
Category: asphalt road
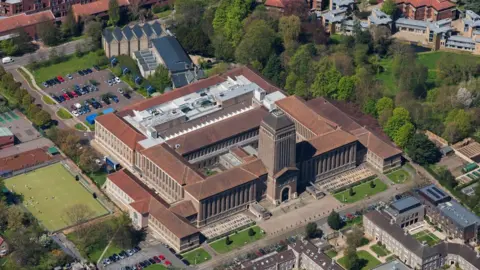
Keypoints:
pixel 42 54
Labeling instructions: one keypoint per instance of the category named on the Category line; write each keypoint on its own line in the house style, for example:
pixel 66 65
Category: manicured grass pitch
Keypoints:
pixel 379 250
pixel 196 256
pixel 367 260
pixel 399 176
pixel 48 192
pixel 428 237
pixel 238 240
pixel 331 253
pixel 361 191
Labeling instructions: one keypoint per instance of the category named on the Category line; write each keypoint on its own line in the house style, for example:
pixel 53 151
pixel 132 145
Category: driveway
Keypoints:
pixel 145 254
pixel 103 88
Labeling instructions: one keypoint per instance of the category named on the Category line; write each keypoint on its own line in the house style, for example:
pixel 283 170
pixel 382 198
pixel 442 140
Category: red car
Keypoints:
pixel 156 259
pixel 60 78
pixel 161 257
pixel 138 267
pixel 66 97
pixel 168 263
pixel 74 94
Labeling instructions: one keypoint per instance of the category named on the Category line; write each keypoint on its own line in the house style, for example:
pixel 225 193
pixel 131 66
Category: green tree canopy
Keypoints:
pixel 258 32
pixel 49 33
pixel 389 7
pixel 160 79
pixel 422 151
pixel 228 19
pixel 334 220
pixel 399 118
pixel 69 24
pixel 113 12
pixel 289 28
pixel 458 125
pixel 382 104
pixel 404 134
pixel 273 70
pixel 311 230
pixel 93 30
pixel 346 88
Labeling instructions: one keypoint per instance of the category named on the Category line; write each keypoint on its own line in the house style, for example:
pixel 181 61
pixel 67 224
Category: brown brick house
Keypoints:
pixel 434 10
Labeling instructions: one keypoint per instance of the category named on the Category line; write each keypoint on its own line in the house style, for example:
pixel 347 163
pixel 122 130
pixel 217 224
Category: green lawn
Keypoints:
pixel 428 237
pixel 163 14
pixel 331 253
pixel 64 114
pixel 361 191
pixel 48 100
pixel 80 127
pixel 368 261
pixel 380 250
pixel 390 258
pixel 48 193
pixel 99 177
pixel 387 76
pixel 354 221
pixel 399 176
pixel 239 239
pixel 156 267
pixel 196 256
pixel 92 127
pixel 61 69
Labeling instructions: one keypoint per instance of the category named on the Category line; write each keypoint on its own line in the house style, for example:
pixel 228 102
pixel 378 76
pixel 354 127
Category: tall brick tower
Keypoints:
pixel 276 148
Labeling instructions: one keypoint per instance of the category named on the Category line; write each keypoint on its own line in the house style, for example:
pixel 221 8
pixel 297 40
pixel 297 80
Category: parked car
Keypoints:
pixel 147 263
pixel 115 99
pixel 129 251
pixel 110 82
pixel 70 95
pixel 168 263
pixel 66 96
pixel 89 70
pixel 106 100
pixel 97 68
pixel 120 90
pixel 69 76
pixel 61 98
pixel 56 80
pixel 45 84
pixel 117 80
pixel 157 260
pixel 161 257
pixel 152 261
pixel 75 113
pixel 81 73
pixel 60 78
pixel 74 94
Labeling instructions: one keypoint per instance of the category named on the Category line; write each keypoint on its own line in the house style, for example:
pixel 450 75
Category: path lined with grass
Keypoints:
pixel 237 240
pixel 380 250
pixel 64 114
pixel 399 176
pixel 361 191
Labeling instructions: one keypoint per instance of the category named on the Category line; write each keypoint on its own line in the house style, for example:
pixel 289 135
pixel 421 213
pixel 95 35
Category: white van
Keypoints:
pixel 7 60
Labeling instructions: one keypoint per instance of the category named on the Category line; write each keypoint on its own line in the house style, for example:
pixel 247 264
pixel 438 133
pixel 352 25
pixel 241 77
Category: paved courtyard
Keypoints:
pixel 103 88
pixel 226 225
pixel 17 123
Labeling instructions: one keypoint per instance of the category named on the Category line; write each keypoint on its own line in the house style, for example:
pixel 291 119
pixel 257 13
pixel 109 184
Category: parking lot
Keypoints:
pixel 100 77
pixel 145 254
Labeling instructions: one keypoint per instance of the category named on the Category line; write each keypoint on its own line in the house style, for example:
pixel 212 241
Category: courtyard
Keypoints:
pixel 48 194
pixel 428 237
pixel 367 261
pixel 361 191
pixel 399 176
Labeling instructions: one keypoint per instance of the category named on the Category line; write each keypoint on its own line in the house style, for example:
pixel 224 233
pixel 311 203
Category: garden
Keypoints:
pixel 380 250
pixel 196 256
pixel 237 239
pixel 367 261
pixel 361 191
pixel 399 176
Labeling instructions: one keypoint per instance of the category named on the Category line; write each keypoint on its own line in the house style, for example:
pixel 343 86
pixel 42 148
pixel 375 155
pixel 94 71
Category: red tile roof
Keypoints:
pixel 125 182
pixel 173 164
pixel 330 141
pixel 184 209
pixel 24 160
pixel 96 7
pixel 275 3
pixel 123 131
pixel 179 226
pixel 23 20
pixel 226 180
pixel 436 4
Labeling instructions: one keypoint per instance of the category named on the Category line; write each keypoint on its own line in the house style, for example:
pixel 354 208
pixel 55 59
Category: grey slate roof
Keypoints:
pixel 173 54
pixel 107 34
pixel 406 204
pixel 395 265
pixel 137 31
pixel 458 214
pixel 157 28
pixel 127 32
pixel 179 79
pixel 434 194
pixel 117 33
pixel 147 29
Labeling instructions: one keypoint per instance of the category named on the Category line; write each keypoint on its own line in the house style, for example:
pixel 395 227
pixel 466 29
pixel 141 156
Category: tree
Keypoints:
pixel 473 5
pixel 228 19
pixel 422 151
pixel 189 12
pixel 404 134
pixel 369 107
pixel 49 33
pixel 134 9
pixel 227 240
pixel 372 184
pixel 352 261
pixel 126 235
pixel 289 28
pixel 311 230
pixel 273 70
pixel 389 7
pixel 399 118
pixel 249 50
pixel 194 39
pixel 351 192
pixel 42 118
pixel 355 237
pixel 160 78
pixel 78 213
pixel 346 88
pixel 87 162
pixel 384 103
pixel 15 218
pixel 334 220
pixel 224 50
pixel 69 24
pixel 458 125
pixel 326 83
pixel 113 12
pixel 251 232
pixel 93 31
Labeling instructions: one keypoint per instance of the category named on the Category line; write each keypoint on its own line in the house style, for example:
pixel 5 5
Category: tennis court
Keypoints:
pixel 19 126
pixel 429 238
pixel 49 192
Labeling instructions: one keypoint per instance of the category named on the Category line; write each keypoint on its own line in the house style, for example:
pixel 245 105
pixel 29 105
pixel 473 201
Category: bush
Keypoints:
pixel 157 8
